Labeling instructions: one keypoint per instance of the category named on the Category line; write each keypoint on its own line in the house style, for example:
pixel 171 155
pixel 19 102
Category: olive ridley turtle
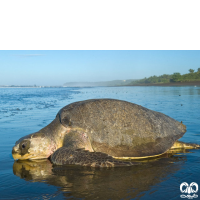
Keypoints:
pixel 99 132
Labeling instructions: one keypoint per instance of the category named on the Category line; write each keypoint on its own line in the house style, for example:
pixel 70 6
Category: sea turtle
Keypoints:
pixel 98 131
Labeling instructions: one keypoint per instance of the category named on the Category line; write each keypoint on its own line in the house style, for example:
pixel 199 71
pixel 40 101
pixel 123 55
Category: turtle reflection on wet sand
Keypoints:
pixel 76 182
pixel 102 132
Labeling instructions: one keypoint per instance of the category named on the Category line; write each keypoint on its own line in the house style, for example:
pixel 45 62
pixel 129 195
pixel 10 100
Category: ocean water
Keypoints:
pixel 26 110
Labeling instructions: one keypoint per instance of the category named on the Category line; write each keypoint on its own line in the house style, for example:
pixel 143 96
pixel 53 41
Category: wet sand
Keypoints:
pixel 27 110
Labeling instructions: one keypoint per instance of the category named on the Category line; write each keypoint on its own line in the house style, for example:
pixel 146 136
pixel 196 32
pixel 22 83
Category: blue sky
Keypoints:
pixel 58 67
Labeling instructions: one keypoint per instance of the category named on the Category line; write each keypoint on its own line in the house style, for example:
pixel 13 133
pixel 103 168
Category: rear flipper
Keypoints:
pixel 67 156
pixel 184 145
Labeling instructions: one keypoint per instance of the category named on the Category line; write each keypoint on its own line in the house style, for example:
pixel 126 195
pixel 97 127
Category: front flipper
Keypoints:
pixel 67 156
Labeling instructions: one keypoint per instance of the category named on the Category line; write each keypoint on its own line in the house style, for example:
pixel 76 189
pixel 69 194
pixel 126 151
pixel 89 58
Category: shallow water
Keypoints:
pixel 26 110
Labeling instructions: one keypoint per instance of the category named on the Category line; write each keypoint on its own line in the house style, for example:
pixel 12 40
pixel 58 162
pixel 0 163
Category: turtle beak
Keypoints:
pixel 16 154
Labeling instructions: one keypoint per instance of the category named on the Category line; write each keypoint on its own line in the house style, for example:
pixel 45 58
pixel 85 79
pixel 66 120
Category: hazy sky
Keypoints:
pixel 58 67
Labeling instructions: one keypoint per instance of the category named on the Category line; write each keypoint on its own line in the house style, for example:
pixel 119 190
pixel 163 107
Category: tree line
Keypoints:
pixel 173 78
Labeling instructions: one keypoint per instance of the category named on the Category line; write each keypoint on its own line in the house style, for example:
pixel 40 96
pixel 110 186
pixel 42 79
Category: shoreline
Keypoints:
pixel 191 83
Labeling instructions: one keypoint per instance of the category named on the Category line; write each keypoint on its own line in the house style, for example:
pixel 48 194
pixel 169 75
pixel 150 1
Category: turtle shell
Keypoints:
pixel 122 129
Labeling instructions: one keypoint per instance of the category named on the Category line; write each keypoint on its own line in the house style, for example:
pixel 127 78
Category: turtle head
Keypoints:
pixel 33 146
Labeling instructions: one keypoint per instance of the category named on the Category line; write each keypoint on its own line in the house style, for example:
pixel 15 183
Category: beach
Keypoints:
pixel 27 110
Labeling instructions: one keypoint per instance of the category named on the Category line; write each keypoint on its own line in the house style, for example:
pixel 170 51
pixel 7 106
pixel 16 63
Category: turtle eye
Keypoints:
pixel 23 146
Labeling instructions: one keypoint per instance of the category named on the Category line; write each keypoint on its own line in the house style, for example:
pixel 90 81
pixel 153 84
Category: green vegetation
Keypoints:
pixel 173 78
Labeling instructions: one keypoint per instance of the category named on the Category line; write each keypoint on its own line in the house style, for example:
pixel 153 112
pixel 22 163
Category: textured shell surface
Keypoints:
pixel 122 129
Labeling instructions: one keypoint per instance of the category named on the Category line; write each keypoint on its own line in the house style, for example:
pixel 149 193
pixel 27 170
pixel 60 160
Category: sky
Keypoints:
pixel 54 68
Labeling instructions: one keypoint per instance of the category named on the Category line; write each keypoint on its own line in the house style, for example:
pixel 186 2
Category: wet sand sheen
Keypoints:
pixel 154 179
